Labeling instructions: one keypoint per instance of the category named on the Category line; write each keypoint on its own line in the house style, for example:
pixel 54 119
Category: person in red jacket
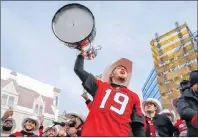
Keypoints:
pixel 87 100
pixel 116 110
pixel 29 125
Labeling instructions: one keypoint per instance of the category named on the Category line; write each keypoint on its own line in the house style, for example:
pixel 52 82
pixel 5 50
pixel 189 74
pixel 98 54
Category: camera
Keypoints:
pixel 185 84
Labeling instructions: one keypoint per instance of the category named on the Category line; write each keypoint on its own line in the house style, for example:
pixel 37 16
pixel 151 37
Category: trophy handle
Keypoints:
pixel 90 53
pixel 98 47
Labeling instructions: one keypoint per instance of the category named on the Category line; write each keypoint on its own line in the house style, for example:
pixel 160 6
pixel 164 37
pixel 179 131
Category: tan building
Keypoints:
pixel 175 55
pixel 28 97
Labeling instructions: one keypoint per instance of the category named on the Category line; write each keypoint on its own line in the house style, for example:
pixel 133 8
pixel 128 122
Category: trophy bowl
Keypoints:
pixel 74 25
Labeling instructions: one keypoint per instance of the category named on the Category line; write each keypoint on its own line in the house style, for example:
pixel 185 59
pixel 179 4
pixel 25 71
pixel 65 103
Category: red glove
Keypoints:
pixel 194 121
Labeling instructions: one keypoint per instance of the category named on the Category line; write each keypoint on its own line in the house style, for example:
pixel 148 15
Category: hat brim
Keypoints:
pixel 155 102
pixel 35 120
pixel 122 62
pixel 82 117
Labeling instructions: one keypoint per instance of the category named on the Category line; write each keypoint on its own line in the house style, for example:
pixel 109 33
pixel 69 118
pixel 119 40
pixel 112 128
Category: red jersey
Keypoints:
pixel 181 125
pixel 152 127
pixel 112 111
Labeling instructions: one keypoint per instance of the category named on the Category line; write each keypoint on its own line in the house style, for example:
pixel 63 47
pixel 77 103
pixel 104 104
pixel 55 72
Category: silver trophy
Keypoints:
pixel 74 25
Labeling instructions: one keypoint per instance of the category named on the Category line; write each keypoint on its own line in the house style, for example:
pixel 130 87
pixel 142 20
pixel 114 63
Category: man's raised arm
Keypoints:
pixel 88 80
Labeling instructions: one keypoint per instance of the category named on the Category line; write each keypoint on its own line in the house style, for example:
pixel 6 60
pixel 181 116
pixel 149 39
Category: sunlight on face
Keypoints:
pixel 120 72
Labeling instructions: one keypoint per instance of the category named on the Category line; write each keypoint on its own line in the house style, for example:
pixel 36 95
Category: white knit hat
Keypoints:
pixel 81 116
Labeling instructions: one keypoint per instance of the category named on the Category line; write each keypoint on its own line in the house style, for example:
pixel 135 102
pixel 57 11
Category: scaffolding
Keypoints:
pixel 175 56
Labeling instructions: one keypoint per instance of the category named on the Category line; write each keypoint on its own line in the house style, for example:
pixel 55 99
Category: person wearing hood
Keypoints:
pixel 29 125
pixel 187 105
pixel 87 100
pixel 170 114
pixel 116 110
pixel 8 124
pixel 156 124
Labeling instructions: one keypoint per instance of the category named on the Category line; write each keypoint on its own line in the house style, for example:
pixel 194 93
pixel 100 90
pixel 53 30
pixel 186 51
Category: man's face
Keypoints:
pixel 195 87
pixel 51 132
pixel 150 107
pixel 30 125
pixel 77 120
pixel 120 72
pixel 7 125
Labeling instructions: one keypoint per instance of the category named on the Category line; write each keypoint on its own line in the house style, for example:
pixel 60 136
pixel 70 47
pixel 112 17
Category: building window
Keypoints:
pixel 56 100
pixel 41 110
pixel 4 98
pixel 36 109
pixel 11 101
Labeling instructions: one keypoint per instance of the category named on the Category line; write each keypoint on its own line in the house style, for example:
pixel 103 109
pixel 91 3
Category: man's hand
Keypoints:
pixel 194 121
pixel 7 114
pixel 85 96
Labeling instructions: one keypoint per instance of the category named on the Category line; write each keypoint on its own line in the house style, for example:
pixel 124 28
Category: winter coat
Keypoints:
pixel 187 107
pixel 163 126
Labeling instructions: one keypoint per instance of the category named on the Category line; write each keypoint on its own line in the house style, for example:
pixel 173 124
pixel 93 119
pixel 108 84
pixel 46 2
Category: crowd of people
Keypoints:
pixel 116 110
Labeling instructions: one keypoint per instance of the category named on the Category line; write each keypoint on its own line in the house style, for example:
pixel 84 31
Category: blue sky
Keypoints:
pixel 124 29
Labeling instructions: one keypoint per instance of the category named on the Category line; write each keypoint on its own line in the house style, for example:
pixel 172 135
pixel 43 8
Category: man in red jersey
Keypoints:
pixel 116 110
